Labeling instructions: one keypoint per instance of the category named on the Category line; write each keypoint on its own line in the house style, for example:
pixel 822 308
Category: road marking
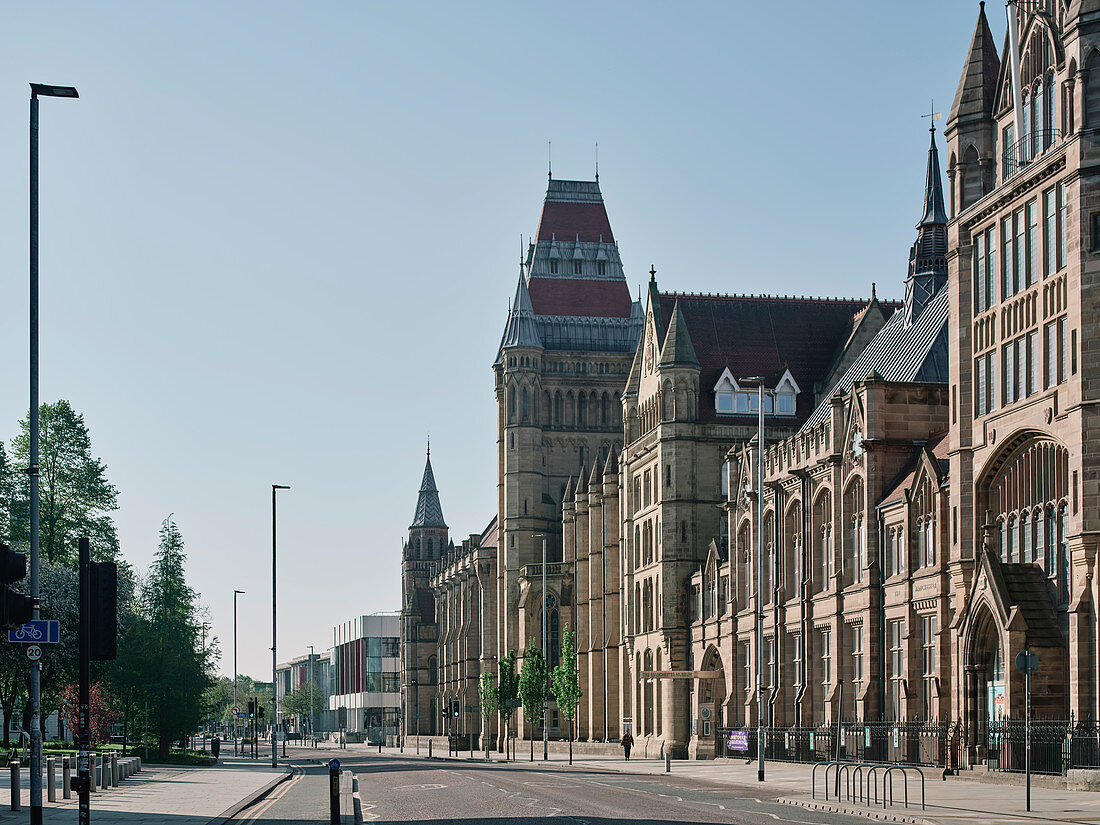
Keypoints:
pixel 427 786
pixel 279 793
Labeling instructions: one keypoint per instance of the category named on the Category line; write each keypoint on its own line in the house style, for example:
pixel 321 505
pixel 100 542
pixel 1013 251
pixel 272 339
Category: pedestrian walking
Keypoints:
pixel 627 742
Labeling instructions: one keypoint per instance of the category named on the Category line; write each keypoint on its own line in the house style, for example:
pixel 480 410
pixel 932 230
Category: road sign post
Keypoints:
pixel 1027 663
pixel 334 791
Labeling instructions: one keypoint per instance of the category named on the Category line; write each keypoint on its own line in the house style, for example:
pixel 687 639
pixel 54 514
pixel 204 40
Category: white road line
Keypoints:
pixel 279 793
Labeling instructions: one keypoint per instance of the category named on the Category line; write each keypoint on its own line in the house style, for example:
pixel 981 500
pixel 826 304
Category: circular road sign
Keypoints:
pixel 33 652
pixel 236 709
pixel 1027 661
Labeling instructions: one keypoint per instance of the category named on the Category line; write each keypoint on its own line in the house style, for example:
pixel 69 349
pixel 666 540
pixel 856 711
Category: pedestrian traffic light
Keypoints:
pixel 16 609
pixel 251 708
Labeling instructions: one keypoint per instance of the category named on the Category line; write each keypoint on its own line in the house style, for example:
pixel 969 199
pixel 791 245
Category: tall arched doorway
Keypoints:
pixel 711 704
pixel 986 698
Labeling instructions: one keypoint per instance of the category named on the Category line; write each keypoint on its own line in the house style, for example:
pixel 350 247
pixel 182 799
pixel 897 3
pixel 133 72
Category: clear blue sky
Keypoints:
pixel 278 239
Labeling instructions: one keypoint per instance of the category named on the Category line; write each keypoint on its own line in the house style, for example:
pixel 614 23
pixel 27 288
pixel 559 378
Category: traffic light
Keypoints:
pixel 259 710
pixel 251 708
pixel 104 619
pixel 15 608
pixel 454 708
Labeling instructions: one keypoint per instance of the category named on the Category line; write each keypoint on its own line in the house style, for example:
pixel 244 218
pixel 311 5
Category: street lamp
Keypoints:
pixel 545 653
pixel 37 90
pixel 310 691
pixel 274 703
pixel 235 594
pixel 759 381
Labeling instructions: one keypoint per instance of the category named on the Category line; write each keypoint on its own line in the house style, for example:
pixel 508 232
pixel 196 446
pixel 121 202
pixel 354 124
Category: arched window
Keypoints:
pixel 1050 123
pixel 792 566
pixel 857 538
pixel 768 559
pixel 511 405
pixel 603 409
pixel 823 530
pixel 1092 92
pixel 972 177
pixel 744 578
pixel 418 548
pixel 581 409
pixel 557 409
pixel 433 670
pixel 523 406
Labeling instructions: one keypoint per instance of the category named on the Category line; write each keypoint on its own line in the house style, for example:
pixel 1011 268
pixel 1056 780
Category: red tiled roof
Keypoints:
pixel 577 296
pixel 761 335
pixel 566 221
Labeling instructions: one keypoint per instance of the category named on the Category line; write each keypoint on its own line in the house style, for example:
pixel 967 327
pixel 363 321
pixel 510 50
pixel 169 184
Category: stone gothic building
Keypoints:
pixel 930 498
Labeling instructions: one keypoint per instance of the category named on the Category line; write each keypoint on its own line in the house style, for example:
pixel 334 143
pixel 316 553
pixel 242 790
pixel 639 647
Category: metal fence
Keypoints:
pixel 1056 745
pixel 908 743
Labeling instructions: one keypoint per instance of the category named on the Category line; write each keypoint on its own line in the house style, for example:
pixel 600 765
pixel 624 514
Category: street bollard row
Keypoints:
pixel 106 772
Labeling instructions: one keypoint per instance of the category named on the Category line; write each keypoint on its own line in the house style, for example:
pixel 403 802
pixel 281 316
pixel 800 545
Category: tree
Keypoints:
pixel 306 701
pixel 532 688
pixel 75 497
pixel 101 715
pixel 177 666
pixel 507 693
pixel 566 682
pixel 487 697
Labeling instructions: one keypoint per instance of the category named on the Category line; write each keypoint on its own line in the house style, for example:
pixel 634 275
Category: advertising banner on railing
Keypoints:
pixel 738 740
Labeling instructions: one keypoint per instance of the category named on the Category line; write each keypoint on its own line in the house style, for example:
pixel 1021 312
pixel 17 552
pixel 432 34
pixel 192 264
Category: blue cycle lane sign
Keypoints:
pixel 39 631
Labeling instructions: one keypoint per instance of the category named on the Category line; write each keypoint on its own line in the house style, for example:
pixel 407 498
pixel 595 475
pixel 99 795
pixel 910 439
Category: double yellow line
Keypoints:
pixel 253 814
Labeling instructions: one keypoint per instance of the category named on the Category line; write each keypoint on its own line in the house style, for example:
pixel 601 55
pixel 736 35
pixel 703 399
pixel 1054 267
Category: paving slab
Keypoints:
pixel 169 794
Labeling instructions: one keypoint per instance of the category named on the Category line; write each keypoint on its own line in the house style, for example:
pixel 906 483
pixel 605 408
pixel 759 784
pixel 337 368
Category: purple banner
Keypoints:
pixel 738 740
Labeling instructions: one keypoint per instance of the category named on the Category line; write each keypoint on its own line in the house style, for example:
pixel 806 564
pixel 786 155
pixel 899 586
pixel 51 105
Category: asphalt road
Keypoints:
pixel 409 790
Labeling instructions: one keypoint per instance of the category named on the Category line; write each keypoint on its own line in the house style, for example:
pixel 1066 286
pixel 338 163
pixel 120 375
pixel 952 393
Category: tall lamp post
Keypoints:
pixel 235 706
pixel 310 690
pixel 545 654
pixel 274 704
pixel 760 688
pixel 37 90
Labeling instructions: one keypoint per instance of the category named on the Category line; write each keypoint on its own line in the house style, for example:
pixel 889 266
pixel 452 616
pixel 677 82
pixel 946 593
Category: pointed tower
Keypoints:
pixel 426 544
pixel 564 354
pixel 971 132
pixel 928 255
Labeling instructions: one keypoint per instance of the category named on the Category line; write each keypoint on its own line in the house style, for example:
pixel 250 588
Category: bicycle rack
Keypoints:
pixel 904 769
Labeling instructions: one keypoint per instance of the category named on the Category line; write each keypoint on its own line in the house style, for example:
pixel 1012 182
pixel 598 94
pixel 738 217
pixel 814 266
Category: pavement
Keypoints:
pixel 956 800
pixel 168 794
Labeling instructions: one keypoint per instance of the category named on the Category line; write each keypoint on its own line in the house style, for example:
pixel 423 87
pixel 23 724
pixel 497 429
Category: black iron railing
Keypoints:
pixel 1027 150
pixel 1056 745
pixel 910 742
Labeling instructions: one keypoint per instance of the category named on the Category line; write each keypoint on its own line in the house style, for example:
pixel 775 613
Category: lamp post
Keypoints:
pixel 310 690
pixel 235 594
pixel 37 90
pixel 274 704
pixel 759 380
pixel 545 654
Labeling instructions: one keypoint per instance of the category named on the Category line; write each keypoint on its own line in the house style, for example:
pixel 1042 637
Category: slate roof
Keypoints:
pixel 762 335
pixel 580 297
pixel 915 352
pixel 428 511
pixel 574 210
pixel 521 330
pixel 939 445
pixel 1027 588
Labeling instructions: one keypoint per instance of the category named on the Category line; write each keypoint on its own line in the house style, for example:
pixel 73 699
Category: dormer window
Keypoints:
pixel 576 267
pixel 553 266
pixel 730 399
pixel 725 392
pixel 601 267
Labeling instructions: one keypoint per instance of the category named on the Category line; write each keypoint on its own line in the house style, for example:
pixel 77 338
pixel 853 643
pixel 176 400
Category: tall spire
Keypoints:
pixel 934 213
pixel 928 255
pixel 978 84
pixel 428 511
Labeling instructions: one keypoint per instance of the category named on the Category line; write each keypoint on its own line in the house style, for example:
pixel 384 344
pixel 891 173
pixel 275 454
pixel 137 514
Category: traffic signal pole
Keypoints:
pixel 36 668
pixel 85 653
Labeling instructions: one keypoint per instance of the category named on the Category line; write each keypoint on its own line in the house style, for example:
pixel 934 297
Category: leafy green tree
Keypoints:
pixel 178 665
pixel 487 698
pixel 565 680
pixel 532 688
pixel 75 497
pixel 303 702
pixel 507 693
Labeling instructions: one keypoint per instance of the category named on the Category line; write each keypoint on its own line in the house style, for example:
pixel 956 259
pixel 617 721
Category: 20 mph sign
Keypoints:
pixel 33 652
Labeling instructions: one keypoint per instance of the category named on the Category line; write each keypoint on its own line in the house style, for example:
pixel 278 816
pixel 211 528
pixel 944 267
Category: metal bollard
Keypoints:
pixel 66 778
pixel 668 763
pixel 114 768
pixel 105 771
pixel 14 785
pixel 93 773
pixel 429 748
pixel 51 779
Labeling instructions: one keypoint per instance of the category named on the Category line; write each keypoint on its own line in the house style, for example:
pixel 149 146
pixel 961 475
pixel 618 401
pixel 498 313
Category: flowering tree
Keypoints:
pixel 101 716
